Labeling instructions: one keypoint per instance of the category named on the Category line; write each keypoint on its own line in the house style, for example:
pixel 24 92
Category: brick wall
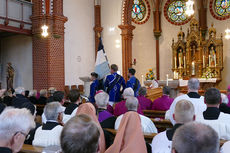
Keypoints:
pixel 48 53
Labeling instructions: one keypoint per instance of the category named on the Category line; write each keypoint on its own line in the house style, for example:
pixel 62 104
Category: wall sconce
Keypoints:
pixel 134 62
pixel 227 34
pixel 45 31
pixel 189 8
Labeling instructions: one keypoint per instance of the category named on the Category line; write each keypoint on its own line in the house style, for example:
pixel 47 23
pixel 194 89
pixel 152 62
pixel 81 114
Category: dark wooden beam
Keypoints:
pixel 97 28
pixel 202 9
pixel 157 33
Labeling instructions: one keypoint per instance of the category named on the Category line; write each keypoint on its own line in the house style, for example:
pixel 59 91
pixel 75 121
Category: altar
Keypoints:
pixel 196 56
pixel 181 85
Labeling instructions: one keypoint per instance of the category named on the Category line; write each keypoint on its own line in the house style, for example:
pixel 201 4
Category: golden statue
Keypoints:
pixel 212 57
pixel 10 76
pixel 180 57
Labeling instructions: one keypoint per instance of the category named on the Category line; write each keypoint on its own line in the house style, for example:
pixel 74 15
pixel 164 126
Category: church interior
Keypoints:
pixel 149 44
pixel 178 50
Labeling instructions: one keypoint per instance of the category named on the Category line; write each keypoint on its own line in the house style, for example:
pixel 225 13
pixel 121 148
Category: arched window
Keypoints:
pixel 174 12
pixel 140 11
pixel 220 9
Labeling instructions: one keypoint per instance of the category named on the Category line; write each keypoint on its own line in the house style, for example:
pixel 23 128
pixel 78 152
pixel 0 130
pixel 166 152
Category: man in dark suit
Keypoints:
pixel 20 97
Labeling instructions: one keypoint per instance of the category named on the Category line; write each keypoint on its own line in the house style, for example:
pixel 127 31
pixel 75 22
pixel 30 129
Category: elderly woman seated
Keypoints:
pixel 49 134
pixel 102 100
pixel 106 119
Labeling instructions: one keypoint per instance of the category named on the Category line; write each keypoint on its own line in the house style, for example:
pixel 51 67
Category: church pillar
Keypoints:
pixel 157 33
pixel 202 9
pixel 97 19
pixel 127 37
pixel 48 52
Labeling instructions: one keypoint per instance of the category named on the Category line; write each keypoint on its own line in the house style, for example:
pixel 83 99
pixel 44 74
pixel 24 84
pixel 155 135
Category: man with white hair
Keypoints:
pixel 102 100
pixel 49 133
pixel 15 125
pixel 20 97
pixel 146 123
pixel 192 96
pixel 195 138
pixel 184 113
pixel 120 107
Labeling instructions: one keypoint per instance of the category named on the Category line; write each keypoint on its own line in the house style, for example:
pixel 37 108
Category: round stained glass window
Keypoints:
pixel 222 7
pixel 174 11
pixel 140 11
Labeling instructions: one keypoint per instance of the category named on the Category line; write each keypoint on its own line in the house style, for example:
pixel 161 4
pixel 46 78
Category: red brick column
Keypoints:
pixel 48 53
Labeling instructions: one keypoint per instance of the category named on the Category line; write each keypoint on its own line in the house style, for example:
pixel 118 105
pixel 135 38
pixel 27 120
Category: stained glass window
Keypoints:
pixel 176 11
pixel 222 7
pixel 138 10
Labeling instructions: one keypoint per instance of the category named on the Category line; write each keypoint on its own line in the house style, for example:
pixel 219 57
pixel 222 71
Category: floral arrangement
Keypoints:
pixel 150 75
pixel 208 74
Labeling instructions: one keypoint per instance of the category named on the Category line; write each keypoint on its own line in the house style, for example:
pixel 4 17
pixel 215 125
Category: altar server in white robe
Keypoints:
pixel 49 133
pixel 184 113
pixel 225 148
pixel 212 115
pixel 146 123
pixel 192 96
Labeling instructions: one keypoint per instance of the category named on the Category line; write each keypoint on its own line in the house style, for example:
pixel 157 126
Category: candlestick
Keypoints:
pixel 184 62
pixel 209 60
pixel 175 62
pixel 215 59
pixel 167 81
pixel 142 80
pixel 203 61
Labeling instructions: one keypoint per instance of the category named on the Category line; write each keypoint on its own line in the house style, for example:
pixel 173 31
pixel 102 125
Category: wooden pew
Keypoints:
pixel 149 136
pixel 30 149
pixel 162 125
pixel 154 113
pixel 153 94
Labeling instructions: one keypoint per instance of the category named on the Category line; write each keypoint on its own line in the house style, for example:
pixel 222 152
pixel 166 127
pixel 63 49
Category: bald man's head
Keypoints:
pixel 195 137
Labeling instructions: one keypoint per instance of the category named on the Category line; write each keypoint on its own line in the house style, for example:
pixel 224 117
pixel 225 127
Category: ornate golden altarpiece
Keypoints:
pixel 195 56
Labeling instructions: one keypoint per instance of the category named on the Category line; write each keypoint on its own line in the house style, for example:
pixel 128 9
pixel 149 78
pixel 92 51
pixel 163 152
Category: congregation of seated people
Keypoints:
pixel 199 122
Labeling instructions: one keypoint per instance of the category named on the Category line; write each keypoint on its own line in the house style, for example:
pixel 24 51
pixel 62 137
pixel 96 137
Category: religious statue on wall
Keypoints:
pixel 10 76
pixel 193 52
pixel 212 57
pixel 180 58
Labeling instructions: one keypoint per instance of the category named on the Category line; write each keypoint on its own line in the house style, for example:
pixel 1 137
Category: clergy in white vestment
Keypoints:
pixel 146 123
pixel 184 113
pixel 49 133
pixel 212 115
pixel 58 96
pixel 225 148
pixel 192 96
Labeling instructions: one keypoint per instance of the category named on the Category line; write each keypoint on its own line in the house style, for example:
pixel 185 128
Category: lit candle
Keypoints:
pixel 175 63
pixel 193 68
pixel 142 80
pixel 167 81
